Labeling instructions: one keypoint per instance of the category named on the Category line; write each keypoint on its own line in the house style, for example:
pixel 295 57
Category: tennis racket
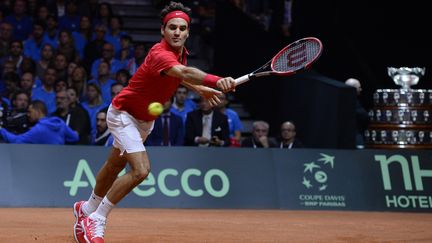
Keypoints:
pixel 297 56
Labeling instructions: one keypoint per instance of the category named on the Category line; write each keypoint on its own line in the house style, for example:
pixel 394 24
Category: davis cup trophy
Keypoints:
pixel 400 117
pixel 405 76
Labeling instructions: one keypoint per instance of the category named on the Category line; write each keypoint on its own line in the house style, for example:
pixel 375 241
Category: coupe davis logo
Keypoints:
pixel 315 173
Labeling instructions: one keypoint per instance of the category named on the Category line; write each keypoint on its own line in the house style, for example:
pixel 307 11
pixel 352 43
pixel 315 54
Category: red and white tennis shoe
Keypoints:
pixel 94 229
pixel 79 216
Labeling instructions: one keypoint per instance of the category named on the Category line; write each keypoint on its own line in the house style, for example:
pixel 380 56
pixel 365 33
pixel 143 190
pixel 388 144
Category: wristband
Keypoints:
pixel 210 80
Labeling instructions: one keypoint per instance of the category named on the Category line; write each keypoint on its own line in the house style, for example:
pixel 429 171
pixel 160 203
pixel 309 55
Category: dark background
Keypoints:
pixel 361 39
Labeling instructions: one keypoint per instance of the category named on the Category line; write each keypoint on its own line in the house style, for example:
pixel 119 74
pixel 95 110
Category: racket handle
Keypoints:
pixel 242 79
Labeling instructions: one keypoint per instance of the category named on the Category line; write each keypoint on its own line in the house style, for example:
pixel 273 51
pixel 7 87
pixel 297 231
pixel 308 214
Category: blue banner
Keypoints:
pixel 192 177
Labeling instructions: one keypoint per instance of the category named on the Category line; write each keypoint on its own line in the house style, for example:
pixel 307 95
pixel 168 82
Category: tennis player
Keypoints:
pixel 129 122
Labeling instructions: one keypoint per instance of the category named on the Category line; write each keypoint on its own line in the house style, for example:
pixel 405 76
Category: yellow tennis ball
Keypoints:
pixel 155 108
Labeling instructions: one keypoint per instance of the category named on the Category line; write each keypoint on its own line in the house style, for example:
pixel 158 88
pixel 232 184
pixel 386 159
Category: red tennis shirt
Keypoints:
pixel 149 84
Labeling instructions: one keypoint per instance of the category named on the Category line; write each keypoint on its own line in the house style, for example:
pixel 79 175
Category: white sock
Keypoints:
pixel 104 208
pixel 91 204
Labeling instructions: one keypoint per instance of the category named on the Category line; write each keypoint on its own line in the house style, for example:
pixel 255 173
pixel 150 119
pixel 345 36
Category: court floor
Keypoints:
pixel 197 225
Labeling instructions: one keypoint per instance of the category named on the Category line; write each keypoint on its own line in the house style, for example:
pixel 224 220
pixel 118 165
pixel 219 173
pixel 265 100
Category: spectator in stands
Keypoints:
pixel 34 44
pixel 6 30
pixel 122 77
pixel 103 81
pixel 83 35
pixel 103 136
pixel 11 82
pixel 73 115
pixel 115 89
pixel 83 126
pixel 61 66
pixel 27 82
pixel 47 130
pixel 79 82
pixel 362 117
pixel 206 127
pixel 140 52
pixel 32 7
pixel 47 59
pixel 70 68
pixel 260 138
pixel 234 123
pixel 72 94
pixel 66 46
pixel 70 21
pixel 46 92
pixel 28 65
pixel 17 121
pixel 93 103
pixel 103 14
pixel 8 67
pixel 288 137
pixel 168 129
pixel 93 48
pixel 115 33
pixel 52 31
pixel 20 19
pixel 107 56
pixel 16 56
pixel 182 105
pixel 126 54
pixel 60 85
pixel 42 13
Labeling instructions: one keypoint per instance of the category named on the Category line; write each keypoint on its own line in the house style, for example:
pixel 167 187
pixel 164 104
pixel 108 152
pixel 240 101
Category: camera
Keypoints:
pixel 17 122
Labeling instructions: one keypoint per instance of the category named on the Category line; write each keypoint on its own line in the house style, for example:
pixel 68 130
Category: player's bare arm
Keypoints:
pixel 197 77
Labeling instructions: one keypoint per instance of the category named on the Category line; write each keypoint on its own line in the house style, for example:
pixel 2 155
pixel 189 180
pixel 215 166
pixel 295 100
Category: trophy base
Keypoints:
pixel 399 146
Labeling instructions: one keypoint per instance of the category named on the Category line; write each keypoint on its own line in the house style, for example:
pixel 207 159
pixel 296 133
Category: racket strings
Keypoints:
pixel 297 56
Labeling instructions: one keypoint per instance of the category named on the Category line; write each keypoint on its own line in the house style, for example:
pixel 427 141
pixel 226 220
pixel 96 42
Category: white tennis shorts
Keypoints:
pixel 129 133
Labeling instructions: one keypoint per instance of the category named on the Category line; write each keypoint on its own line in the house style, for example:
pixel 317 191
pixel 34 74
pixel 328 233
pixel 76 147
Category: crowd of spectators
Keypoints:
pixel 71 55
pixel 62 62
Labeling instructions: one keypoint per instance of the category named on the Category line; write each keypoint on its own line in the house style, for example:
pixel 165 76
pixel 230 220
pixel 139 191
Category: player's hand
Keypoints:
pixel 226 84
pixel 211 95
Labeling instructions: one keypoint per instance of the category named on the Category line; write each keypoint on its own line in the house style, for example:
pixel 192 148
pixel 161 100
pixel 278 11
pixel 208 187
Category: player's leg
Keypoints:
pixel 109 172
pixel 139 170
pixel 104 180
pixel 129 136
pixel 94 224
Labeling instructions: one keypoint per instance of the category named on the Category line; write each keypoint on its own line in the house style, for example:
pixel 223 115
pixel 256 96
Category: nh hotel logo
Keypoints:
pixel 414 179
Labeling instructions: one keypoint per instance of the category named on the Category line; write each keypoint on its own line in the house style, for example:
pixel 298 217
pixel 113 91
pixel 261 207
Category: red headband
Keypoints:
pixel 176 14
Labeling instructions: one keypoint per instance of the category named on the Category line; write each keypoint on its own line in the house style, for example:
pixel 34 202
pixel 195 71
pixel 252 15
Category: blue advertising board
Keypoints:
pixel 192 177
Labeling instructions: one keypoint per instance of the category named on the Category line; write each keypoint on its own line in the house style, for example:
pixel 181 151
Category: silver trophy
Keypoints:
pixel 421 136
pixel 388 115
pixel 376 98
pixel 385 96
pixel 405 76
pixel 396 97
pixel 414 115
pixel 422 97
